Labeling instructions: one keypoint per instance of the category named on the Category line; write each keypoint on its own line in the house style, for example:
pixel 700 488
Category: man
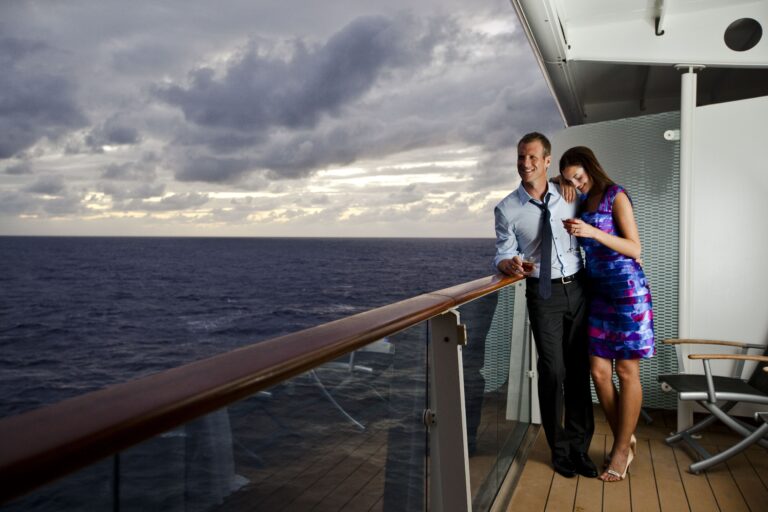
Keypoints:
pixel 529 225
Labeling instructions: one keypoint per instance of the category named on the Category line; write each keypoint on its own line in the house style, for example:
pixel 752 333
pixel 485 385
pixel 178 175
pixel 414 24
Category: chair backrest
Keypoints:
pixel 759 379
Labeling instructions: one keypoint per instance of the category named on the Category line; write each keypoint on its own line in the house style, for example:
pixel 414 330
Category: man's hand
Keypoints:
pixel 515 266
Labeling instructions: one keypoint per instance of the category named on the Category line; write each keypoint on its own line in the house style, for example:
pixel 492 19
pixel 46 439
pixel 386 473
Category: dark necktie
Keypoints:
pixel 545 268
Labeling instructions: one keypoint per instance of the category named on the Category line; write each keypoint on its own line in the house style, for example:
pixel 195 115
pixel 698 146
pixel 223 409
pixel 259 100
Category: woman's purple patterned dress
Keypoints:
pixel 620 310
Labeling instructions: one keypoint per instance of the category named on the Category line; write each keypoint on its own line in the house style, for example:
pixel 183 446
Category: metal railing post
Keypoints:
pixel 449 467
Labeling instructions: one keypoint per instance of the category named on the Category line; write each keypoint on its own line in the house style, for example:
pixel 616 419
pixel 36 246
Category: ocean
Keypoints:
pixel 80 313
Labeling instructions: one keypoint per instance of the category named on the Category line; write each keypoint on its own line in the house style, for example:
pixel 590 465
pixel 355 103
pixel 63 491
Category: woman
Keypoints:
pixel 620 312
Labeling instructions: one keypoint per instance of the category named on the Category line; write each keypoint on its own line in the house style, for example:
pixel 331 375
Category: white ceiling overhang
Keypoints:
pixel 607 59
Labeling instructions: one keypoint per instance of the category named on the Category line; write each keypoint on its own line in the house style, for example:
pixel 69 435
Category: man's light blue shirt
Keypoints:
pixel 518 223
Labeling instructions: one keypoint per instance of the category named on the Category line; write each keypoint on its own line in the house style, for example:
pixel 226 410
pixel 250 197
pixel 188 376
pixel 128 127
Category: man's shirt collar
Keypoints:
pixel 524 196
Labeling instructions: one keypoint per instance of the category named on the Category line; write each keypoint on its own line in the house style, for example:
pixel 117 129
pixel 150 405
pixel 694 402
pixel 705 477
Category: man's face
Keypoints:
pixel 531 162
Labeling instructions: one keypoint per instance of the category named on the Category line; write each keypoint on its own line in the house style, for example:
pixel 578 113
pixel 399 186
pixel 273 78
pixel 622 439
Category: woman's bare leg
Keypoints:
pixel 602 376
pixel 627 413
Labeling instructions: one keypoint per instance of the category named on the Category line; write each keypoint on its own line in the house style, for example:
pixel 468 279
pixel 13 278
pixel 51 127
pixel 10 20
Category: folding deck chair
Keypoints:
pixel 719 395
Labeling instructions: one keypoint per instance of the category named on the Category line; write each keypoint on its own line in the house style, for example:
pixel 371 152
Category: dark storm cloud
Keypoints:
pixel 19 169
pixel 143 170
pixel 302 153
pixel 145 57
pixel 35 102
pixel 315 200
pixel 170 203
pixel 212 169
pixel 259 92
pixel 115 171
pixel 31 203
pixel 142 191
pixel 409 194
pixel 258 204
pixel 516 110
pixel 65 205
pixel 47 185
pixel 374 89
pixel 14 203
pixel 113 132
pixel 345 142
pixel 219 140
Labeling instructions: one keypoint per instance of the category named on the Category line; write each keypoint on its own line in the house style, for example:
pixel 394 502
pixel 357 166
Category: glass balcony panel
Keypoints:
pixel 88 489
pixel 496 387
pixel 346 435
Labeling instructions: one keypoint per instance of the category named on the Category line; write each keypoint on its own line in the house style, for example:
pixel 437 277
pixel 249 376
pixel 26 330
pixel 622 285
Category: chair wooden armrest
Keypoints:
pixel 741 357
pixel 677 341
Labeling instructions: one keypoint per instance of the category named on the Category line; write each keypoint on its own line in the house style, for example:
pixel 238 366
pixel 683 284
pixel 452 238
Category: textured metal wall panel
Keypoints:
pixel 499 341
pixel 635 154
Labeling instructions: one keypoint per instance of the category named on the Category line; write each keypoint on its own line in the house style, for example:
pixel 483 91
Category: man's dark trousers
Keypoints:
pixel 559 326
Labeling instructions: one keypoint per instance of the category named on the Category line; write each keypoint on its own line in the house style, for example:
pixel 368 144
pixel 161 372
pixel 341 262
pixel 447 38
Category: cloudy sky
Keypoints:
pixel 262 117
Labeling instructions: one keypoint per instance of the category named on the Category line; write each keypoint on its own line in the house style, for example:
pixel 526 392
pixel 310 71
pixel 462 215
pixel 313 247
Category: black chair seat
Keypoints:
pixel 683 383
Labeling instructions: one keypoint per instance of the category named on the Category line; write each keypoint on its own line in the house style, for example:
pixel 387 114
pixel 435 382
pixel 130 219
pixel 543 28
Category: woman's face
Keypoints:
pixel 578 177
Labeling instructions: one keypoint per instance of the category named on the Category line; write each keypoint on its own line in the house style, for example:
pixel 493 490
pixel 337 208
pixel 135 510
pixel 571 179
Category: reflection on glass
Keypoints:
pixel 346 435
pixel 497 389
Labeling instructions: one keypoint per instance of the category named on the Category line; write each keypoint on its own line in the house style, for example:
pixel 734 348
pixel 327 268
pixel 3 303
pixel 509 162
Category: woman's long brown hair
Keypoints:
pixel 586 159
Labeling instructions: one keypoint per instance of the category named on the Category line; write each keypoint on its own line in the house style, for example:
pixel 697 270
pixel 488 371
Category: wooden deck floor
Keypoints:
pixel 658 480
pixel 339 468
pixel 328 465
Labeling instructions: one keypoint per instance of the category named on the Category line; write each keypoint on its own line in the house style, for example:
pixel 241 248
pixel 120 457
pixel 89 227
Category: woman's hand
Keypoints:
pixel 578 227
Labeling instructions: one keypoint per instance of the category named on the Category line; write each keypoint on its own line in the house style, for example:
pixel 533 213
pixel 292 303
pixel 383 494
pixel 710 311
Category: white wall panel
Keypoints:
pixel 730 223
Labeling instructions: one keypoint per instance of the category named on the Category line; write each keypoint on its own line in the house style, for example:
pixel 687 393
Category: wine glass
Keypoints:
pixel 573 248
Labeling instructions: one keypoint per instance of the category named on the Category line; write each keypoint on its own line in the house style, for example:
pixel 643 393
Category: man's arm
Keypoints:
pixel 507 258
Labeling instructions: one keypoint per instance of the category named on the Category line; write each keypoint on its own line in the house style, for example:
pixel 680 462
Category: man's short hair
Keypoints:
pixel 533 136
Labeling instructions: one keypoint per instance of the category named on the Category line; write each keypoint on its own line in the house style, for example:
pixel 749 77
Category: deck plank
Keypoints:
pixel 334 478
pixel 589 495
pixel 562 494
pixel 532 489
pixel 359 478
pixel 616 496
pixel 280 493
pixel 642 483
pixel 672 496
pixel 723 486
pixel 752 489
pixel 759 461
pixel 370 497
pixel 700 495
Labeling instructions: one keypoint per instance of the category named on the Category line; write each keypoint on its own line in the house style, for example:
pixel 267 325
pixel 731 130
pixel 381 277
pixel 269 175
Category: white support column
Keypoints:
pixel 685 293
pixel 449 467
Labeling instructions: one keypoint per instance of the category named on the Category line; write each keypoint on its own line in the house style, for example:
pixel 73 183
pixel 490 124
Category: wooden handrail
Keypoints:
pixel 738 357
pixel 676 341
pixel 53 441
